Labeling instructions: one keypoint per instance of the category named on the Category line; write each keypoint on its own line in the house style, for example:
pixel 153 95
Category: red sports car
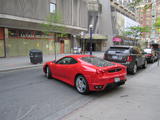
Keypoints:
pixel 86 73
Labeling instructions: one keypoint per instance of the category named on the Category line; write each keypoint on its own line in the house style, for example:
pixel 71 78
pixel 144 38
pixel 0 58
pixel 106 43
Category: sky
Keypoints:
pixel 129 22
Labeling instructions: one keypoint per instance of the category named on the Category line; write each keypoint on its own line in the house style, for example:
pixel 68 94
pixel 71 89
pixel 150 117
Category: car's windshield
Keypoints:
pixel 114 50
pixel 147 50
pixel 97 61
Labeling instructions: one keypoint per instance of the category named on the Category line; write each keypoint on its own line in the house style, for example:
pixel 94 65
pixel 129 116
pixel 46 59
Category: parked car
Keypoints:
pixel 130 56
pixel 86 73
pixel 151 55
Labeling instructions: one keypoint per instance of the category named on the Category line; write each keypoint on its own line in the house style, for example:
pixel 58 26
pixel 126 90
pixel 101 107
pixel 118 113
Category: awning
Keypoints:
pixel 116 39
pixel 96 37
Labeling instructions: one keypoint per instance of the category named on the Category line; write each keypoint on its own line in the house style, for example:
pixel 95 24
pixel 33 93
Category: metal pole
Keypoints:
pixel 82 45
pixel 55 50
pixel 4 42
pixel 90 41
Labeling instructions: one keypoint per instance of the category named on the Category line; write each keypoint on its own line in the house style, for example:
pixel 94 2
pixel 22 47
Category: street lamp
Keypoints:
pixel 91 30
pixel 74 44
pixel 82 41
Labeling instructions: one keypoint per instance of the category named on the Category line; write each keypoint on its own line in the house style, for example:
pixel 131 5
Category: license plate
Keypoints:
pixel 114 57
pixel 117 79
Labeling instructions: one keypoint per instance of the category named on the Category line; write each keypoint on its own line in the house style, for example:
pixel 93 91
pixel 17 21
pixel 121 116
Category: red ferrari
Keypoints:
pixel 86 73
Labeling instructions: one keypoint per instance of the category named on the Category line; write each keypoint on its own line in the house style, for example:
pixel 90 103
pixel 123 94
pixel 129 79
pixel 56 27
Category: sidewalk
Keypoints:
pixel 12 63
pixel 138 99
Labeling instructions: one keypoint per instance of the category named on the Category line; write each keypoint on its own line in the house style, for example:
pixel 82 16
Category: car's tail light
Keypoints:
pixel 129 59
pixel 149 55
pixel 99 71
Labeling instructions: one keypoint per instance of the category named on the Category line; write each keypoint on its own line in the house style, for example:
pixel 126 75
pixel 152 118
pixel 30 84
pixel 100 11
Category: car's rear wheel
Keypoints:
pixel 152 60
pixel 145 64
pixel 48 72
pixel 134 69
pixel 81 84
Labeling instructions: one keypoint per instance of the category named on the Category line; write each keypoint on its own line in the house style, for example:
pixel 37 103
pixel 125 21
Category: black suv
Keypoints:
pixel 130 56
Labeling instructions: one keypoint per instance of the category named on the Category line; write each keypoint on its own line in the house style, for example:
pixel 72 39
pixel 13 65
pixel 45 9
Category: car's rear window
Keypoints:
pixel 115 50
pixel 97 61
pixel 147 50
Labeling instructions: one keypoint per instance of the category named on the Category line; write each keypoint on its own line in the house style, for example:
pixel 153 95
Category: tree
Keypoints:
pixel 135 3
pixel 136 31
pixel 54 26
pixel 157 24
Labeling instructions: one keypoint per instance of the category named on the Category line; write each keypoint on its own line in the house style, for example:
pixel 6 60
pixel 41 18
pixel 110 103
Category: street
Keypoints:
pixel 27 95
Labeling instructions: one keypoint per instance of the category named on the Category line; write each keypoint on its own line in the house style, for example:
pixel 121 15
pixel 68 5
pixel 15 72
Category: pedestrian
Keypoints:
pixel 158 52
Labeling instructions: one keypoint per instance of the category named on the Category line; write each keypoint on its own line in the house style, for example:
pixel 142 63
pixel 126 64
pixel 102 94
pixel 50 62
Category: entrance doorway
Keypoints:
pixel 93 47
pixel 62 46
pixel 2 52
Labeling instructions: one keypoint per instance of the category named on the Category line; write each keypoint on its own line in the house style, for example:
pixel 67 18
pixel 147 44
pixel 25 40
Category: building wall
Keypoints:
pixel 148 18
pixel 35 9
pixel 30 14
pixel 74 12
pixel 100 18
pixel 105 23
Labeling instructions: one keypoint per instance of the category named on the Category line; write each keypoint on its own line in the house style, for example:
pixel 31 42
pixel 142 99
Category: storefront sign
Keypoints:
pixel 1 34
pixel 116 39
pixel 28 34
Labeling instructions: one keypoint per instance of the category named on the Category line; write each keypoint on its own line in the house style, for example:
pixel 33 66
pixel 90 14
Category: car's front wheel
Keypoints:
pixel 48 72
pixel 81 84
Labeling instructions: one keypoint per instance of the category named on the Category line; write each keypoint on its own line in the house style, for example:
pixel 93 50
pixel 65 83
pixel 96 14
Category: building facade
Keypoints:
pixel 21 25
pixel 123 17
pixel 99 15
pixel 147 13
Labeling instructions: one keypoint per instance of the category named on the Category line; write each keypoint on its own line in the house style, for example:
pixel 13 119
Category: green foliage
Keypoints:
pixel 136 31
pixel 157 24
pixel 135 3
pixel 147 6
pixel 139 29
pixel 127 33
pixel 54 24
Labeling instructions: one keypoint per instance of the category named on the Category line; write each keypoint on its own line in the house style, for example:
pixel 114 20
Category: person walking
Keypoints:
pixel 158 52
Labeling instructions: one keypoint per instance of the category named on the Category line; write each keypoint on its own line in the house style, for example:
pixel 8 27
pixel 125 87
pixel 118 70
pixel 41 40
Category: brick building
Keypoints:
pixel 147 14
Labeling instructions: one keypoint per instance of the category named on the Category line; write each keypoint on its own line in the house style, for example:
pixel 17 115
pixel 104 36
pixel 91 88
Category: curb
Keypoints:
pixel 18 68
pixel 37 65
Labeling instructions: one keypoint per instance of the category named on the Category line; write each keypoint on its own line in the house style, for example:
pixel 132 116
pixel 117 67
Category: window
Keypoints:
pixel 67 60
pixel 134 51
pixel 97 61
pixel 115 50
pixel 52 7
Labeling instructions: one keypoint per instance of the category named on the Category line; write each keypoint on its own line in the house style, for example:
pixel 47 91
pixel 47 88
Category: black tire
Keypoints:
pixel 145 64
pixel 152 60
pixel 48 72
pixel 81 85
pixel 121 83
pixel 134 69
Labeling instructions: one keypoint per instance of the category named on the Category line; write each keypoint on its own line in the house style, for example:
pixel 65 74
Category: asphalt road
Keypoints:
pixel 27 95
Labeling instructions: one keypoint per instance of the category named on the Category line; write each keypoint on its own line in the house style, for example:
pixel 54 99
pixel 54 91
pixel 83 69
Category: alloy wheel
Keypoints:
pixel 81 85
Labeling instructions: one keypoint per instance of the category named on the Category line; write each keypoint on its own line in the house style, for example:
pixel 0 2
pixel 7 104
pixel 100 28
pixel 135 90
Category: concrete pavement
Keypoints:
pixel 12 63
pixel 138 99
